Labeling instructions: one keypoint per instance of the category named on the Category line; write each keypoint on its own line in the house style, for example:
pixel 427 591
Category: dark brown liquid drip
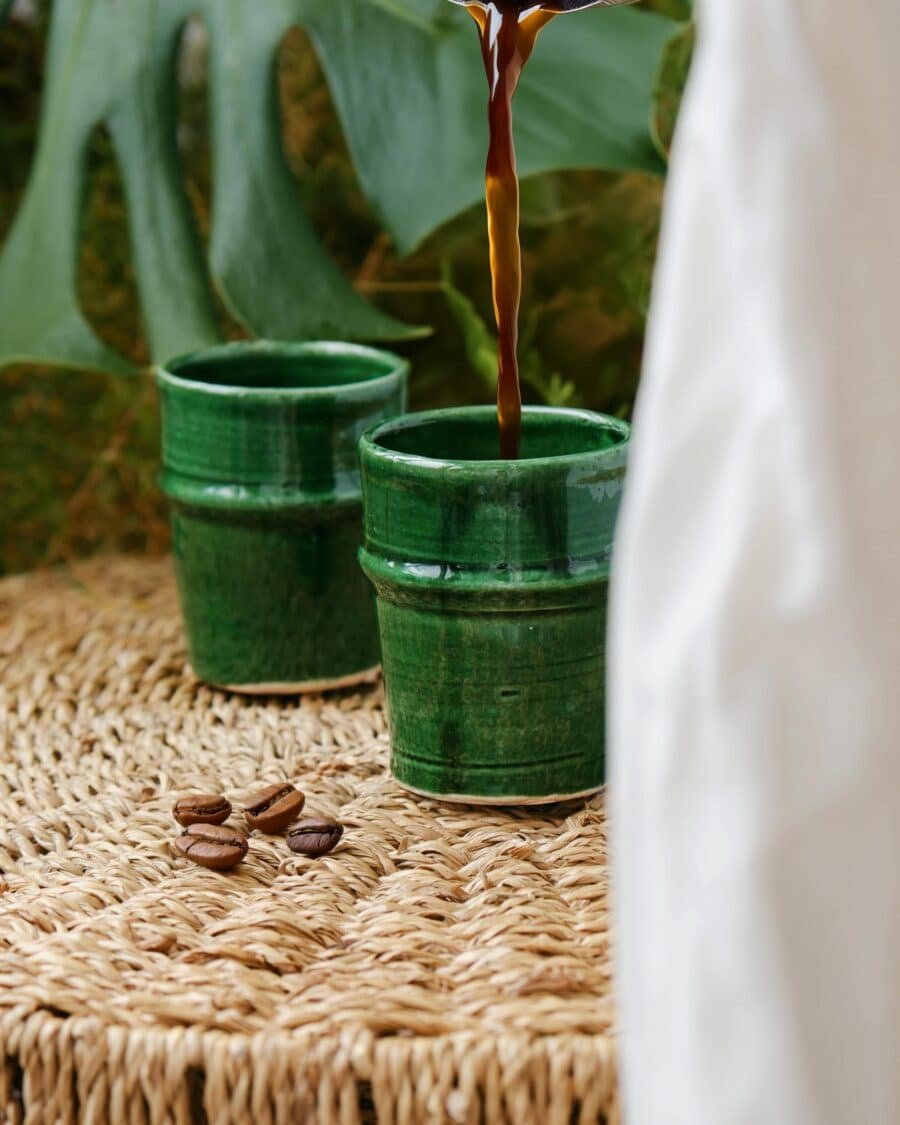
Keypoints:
pixel 508 32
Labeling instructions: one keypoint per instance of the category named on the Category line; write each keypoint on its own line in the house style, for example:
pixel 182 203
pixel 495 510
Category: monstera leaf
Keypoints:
pixel 407 82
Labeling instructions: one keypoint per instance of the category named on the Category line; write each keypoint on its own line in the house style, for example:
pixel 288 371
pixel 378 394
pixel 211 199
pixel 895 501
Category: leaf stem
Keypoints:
pixel 402 286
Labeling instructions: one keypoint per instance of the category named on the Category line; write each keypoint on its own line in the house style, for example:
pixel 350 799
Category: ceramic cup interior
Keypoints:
pixel 284 367
pixel 469 435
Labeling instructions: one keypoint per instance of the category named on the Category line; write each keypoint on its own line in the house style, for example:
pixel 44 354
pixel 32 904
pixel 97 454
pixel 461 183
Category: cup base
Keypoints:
pixel 469 799
pixel 306 687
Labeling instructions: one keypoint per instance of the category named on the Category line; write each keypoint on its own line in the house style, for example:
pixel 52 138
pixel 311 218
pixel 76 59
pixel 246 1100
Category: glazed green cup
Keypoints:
pixel 491 578
pixel 260 465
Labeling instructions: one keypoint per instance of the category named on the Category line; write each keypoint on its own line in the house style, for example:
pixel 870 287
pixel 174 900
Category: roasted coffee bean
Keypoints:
pixel 313 836
pixel 273 808
pixel 202 808
pixel 213 845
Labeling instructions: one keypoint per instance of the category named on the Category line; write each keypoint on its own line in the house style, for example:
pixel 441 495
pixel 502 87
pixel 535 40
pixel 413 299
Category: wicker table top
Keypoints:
pixel 444 964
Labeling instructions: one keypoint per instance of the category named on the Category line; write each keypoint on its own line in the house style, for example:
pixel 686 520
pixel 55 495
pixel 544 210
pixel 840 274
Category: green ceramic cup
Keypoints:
pixel 261 469
pixel 491 579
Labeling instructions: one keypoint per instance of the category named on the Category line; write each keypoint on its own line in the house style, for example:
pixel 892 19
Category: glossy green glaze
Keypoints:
pixel 491 579
pixel 261 468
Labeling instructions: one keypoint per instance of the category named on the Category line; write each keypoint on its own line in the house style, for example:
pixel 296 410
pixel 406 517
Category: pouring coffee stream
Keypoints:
pixel 508 30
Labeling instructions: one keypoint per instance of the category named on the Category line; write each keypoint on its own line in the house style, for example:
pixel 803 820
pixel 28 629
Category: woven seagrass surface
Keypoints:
pixel 444 964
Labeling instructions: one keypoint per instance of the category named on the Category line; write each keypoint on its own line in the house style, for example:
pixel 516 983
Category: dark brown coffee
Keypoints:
pixel 202 808
pixel 314 836
pixel 273 808
pixel 508 31
pixel 212 845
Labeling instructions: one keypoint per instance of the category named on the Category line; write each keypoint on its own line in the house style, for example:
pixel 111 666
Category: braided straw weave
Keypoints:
pixel 444 964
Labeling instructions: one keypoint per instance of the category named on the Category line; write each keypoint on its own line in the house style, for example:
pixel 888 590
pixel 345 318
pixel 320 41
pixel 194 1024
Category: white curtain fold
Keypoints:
pixel 755 629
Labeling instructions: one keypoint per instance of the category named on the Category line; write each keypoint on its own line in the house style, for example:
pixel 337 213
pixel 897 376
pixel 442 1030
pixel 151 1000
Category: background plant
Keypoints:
pixel 78 450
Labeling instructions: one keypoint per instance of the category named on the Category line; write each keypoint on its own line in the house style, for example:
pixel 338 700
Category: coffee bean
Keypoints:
pixel 274 807
pixel 314 836
pixel 213 846
pixel 202 808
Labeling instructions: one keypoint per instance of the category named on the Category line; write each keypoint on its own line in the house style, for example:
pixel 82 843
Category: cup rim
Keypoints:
pixel 399 367
pixel 370 443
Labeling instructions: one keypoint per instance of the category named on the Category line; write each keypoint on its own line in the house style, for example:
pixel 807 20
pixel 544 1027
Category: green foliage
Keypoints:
pixel 78 466
pixel 479 342
pixel 79 450
pixel 670 83
pixel 481 349
pixel 408 87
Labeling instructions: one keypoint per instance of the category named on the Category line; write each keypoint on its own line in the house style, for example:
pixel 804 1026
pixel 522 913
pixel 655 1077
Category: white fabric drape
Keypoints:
pixel 755 632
